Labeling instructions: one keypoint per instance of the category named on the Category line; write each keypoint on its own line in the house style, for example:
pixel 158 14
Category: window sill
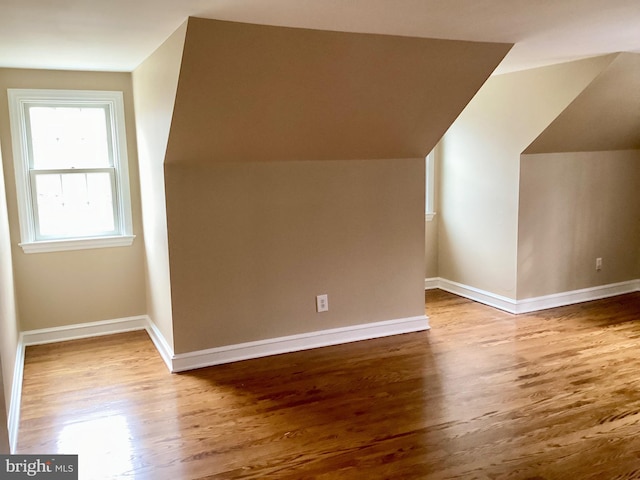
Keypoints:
pixel 428 217
pixel 77 244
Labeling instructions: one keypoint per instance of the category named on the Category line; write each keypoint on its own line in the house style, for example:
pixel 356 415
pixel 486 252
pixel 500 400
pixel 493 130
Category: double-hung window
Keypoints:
pixel 70 162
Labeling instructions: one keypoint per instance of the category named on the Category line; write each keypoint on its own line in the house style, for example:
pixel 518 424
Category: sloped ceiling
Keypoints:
pixel 252 92
pixel 605 116
pixel 118 35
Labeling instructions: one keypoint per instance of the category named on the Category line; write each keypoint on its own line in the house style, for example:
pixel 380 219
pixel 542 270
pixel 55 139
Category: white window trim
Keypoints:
pixel 18 98
pixel 429 207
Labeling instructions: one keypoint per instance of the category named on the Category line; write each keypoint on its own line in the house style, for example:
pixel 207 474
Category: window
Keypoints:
pixel 70 161
pixel 429 208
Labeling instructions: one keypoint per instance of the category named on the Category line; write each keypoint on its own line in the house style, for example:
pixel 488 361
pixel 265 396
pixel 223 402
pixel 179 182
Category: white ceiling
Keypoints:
pixel 118 35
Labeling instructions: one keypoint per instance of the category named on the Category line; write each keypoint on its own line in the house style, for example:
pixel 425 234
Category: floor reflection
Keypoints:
pixel 95 440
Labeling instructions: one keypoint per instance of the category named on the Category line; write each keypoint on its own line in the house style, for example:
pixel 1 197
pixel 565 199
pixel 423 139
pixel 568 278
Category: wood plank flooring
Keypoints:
pixel 483 395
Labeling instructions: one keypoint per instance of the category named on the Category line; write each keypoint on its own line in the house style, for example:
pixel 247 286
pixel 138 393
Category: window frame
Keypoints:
pixel 429 207
pixel 113 102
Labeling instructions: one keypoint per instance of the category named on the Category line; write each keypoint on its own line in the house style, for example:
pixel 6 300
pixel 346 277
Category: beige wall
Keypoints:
pixel 480 170
pixel 154 84
pixel 252 244
pixel 8 318
pixel 65 288
pixel 431 248
pixel 575 207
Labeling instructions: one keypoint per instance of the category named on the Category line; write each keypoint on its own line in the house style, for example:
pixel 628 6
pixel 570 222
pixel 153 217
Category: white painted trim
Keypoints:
pixel 533 304
pixel 482 296
pixel 228 353
pixel 294 343
pixel 13 422
pixel 84 330
pixel 165 351
pixel 576 296
pixel 431 283
pixel 77 244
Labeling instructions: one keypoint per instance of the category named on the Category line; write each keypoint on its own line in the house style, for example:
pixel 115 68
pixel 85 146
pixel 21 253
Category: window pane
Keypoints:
pixel 66 137
pixel 74 204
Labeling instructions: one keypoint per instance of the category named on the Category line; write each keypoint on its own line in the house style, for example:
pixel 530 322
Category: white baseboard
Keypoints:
pixel 482 296
pixel 225 354
pixel 165 351
pixel 577 296
pixel 84 330
pixel 13 422
pixel 294 343
pixel 431 283
pixel 533 304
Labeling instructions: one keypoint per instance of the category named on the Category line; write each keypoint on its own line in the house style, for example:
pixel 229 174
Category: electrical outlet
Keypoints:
pixel 322 303
pixel 598 264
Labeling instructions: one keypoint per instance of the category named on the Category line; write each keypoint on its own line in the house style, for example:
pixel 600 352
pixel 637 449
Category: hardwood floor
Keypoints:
pixel 483 395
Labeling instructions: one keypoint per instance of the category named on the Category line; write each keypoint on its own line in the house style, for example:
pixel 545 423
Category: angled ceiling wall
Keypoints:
pixel 605 116
pixel 252 92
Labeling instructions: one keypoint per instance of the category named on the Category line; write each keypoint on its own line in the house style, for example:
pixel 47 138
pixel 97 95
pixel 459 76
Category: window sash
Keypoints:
pixel 39 235
pixel 106 110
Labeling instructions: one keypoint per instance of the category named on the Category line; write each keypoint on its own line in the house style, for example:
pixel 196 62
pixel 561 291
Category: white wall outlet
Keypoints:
pixel 322 303
pixel 598 264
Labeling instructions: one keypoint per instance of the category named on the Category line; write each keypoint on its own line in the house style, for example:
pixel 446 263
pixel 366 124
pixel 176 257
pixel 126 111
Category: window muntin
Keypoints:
pixel 71 169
